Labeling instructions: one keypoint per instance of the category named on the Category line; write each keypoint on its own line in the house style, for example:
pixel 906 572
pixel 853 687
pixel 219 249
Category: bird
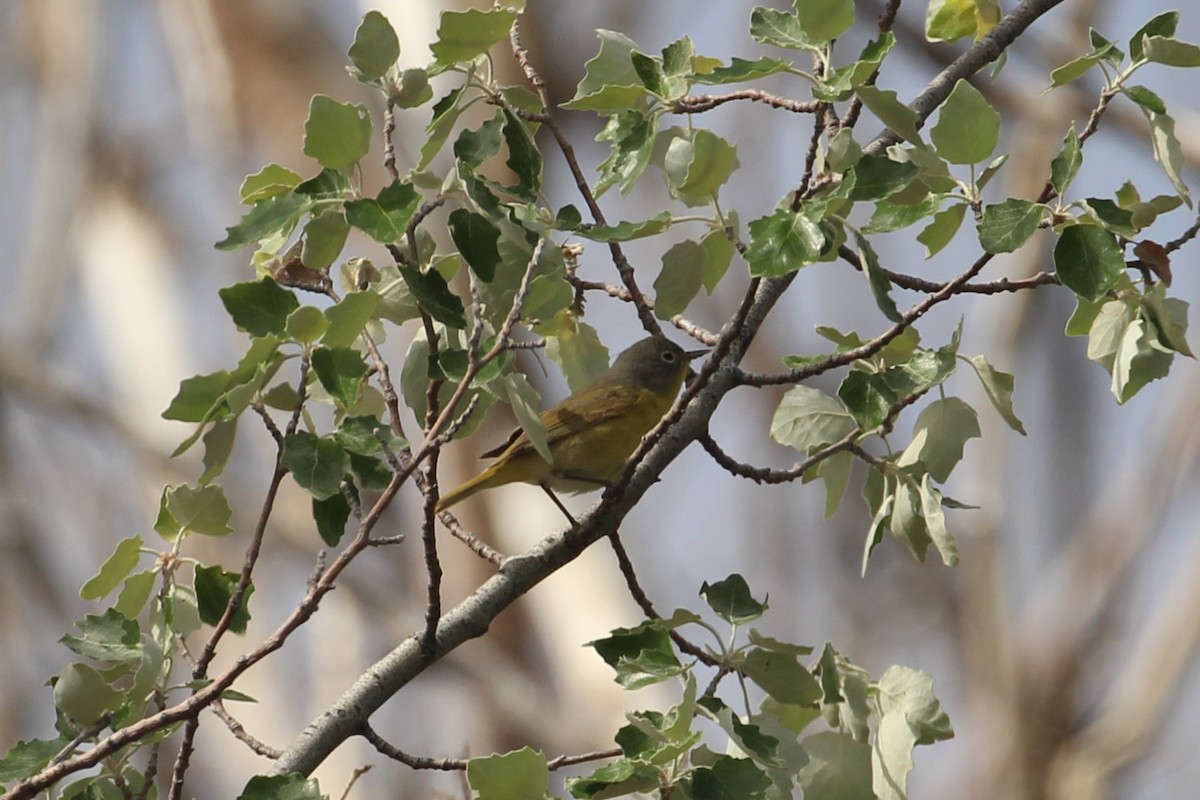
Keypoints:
pixel 592 432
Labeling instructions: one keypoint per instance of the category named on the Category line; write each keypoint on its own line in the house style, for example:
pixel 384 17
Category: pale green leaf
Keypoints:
pixel 808 418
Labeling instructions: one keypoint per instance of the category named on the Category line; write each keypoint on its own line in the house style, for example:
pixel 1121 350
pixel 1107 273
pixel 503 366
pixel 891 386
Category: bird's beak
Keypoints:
pixel 692 355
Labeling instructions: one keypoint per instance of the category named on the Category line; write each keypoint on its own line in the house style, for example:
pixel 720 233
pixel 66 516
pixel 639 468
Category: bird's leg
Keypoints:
pixel 558 503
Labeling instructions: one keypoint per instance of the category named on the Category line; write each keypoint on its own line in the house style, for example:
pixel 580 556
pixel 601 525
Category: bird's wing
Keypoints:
pixel 589 406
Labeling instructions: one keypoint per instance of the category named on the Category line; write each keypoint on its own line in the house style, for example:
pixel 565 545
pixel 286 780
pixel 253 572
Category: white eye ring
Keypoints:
pixel 668 356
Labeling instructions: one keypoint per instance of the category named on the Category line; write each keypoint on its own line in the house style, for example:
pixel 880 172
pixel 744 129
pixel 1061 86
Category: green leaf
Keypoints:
pixel 999 388
pixel 306 324
pixel 968 128
pixel 941 431
pixel 110 637
pixel 135 593
pixel 518 775
pixel 331 516
pixel 808 418
pixel 616 779
pixel 641 656
pixel 83 695
pixel 476 237
pixel 375 47
pixel 899 118
pixel 413 89
pixel 114 570
pixel 697 169
pixel 681 277
pixel 201 510
pixel 577 350
pixel 1088 260
pixel 935 522
pixel 781 29
pixel 1112 217
pixel 1169 316
pixel 783 243
pixel 328 184
pixel 650 72
pixel 839 84
pixel 938 233
pixel 844 152
pixel 626 231
pixel 385 218
pixel 610 82
pixel 781 676
pixel 1065 165
pixel 270 181
pixel 877 177
pixel 282 787
pixel 1171 52
pixel 1007 226
pixel 1161 25
pixel 632 135
pixel 875 530
pixel 1109 323
pixel 433 293
pixel 340 370
pixel 475 147
pixel 318 464
pixel 951 20
pixel 1167 151
pixel 336 134
pixel 28 756
pixel 1145 98
pixel 259 307
pixel 912 716
pixel 463 35
pixel 729 778
pixel 837 767
pixel 361 435
pixel 740 70
pixel 524 158
pixel 718 255
pixel 889 216
pixel 525 400
pixel 869 397
pixel 732 601
pixel 1077 67
pixel 1139 359
pixel 835 472
pixel 214 590
pixel 348 318
pixel 877 279
pixel 445 114
pixel 276 215
pixel 823 20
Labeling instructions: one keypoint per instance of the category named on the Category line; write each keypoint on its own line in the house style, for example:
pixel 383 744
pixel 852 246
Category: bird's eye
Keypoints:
pixel 668 356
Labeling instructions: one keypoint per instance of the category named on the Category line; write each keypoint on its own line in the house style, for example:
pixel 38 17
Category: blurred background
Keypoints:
pixel 1063 647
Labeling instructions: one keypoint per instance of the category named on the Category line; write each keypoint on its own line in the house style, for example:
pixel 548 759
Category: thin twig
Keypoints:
pixel 1184 238
pixel 870 348
pixel 389 147
pixel 433 566
pixel 643 601
pixel 457 764
pixel 478 546
pixel 694 104
pixel 775 476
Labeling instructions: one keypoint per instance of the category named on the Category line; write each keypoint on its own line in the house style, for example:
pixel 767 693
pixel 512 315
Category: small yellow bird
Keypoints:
pixel 594 431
